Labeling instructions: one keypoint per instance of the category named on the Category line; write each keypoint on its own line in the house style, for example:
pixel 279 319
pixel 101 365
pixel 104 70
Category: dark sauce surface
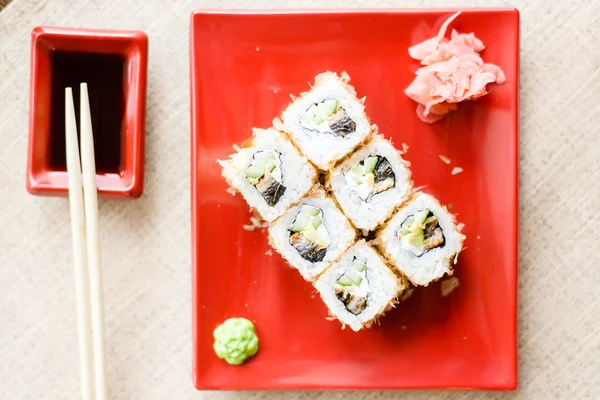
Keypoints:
pixel 104 75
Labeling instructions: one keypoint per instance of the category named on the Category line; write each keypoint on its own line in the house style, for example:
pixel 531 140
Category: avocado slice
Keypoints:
pixel 313 115
pixel 357 174
pixel 314 236
pixel 270 165
pixel 310 210
pixel 358 169
pixel 354 276
pixel 322 111
pixel 416 238
pixel 301 222
pixel 317 222
pixel 404 231
pixel 254 172
pixel 370 163
pixel 359 266
pixel 327 108
pixel 311 234
pixel 345 281
pixel 420 217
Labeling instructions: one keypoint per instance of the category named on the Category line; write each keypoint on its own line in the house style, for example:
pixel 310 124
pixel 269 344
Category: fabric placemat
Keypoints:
pixel 3 3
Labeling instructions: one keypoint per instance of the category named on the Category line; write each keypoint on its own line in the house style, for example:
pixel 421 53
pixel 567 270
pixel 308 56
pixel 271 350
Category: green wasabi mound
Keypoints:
pixel 235 340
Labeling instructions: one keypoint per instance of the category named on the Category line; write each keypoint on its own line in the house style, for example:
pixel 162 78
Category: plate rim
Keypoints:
pixel 315 11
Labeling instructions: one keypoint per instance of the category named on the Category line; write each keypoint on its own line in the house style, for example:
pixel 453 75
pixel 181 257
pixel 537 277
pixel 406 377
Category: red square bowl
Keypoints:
pixel 114 65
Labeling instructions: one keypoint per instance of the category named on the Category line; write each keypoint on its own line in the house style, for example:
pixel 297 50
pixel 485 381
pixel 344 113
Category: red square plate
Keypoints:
pixel 244 66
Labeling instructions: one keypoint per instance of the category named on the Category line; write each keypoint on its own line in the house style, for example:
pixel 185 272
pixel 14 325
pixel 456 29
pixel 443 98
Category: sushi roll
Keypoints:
pixel 359 287
pixel 269 172
pixel 371 183
pixel 312 234
pixel 421 240
pixel 327 122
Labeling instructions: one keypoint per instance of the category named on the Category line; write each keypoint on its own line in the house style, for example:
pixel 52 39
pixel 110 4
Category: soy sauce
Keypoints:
pixel 104 75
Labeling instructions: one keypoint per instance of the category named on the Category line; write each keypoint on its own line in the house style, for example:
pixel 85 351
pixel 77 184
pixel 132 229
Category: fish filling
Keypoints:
pixel 308 234
pixel 265 174
pixel 371 176
pixel 328 117
pixel 421 232
pixel 352 287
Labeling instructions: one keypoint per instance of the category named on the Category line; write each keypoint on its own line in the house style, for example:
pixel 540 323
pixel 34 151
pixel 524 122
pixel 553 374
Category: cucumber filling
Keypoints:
pixel 308 234
pixel 352 287
pixel 371 176
pixel 421 232
pixel 265 174
pixel 328 117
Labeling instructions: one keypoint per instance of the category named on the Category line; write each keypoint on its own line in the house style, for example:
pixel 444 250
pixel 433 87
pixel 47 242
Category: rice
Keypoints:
pixel 255 222
pixel 445 159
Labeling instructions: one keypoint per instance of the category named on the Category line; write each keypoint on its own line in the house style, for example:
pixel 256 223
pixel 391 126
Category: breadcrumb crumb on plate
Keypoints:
pixel 407 294
pixel 448 285
pixel 445 159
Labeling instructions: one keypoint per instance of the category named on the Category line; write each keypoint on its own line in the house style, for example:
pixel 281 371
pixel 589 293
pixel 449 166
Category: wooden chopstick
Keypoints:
pixel 83 201
pixel 79 253
pixel 90 193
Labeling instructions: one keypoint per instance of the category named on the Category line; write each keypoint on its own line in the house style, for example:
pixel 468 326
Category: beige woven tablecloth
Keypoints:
pixel 146 243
